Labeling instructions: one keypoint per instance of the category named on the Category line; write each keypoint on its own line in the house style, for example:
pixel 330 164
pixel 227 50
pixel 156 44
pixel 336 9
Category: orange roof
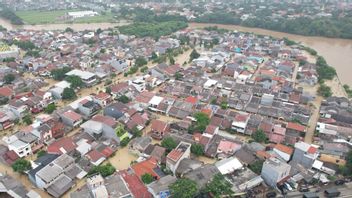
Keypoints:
pixel 284 148
pixel 207 111
pixel 296 126
pixel 191 99
pixel 146 166
pixel 312 150
pixel 263 154
pixel 175 155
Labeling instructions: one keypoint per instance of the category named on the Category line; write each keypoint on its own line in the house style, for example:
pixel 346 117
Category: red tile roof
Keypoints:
pixel 312 150
pixel 210 129
pixel 72 115
pixel 64 144
pixel 295 126
pixel 191 99
pixel 227 146
pixel 146 166
pixel 107 152
pixel 6 91
pixel 94 155
pixel 197 137
pixel 159 126
pixel 263 154
pixel 135 185
pixel 102 96
pixel 106 120
pixel 175 155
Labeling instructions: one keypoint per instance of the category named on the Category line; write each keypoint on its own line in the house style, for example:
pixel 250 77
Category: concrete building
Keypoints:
pixel 305 154
pixel 173 159
pixel 81 14
pixel 274 171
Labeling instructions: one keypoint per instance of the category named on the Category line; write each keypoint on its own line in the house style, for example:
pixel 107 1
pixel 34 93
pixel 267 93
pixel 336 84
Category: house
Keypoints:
pixel 157 152
pixel 285 152
pixel 40 163
pixel 99 187
pixel 58 89
pixel 211 130
pixel 18 107
pixel 173 159
pixel 5 121
pixel 202 175
pixel 103 99
pixel 149 166
pixel 53 177
pixel 186 165
pixel 95 157
pixel 227 148
pixel 71 118
pixel 294 132
pixel 88 78
pixel 61 146
pixel 159 129
pixel 228 165
pixel 275 171
pixel 116 110
pixel 88 108
pixel 160 187
pixel 139 144
pixel 135 185
pixel 21 148
pixel 240 122
pixel 13 188
pixel 305 154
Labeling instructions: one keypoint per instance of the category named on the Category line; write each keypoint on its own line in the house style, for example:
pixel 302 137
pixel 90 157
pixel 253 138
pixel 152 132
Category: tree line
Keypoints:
pixel 8 14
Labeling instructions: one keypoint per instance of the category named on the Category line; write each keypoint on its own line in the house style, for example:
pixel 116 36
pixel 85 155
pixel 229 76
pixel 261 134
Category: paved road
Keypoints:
pixel 346 191
pixel 313 119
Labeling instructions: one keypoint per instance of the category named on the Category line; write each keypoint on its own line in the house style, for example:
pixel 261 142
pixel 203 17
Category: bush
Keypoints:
pixel 50 108
pixel 259 136
pixel 21 165
pixel 104 170
pixel 68 94
pixel 125 142
pixel 147 178
pixel 197 149
pixel 257 166
pixel 168 143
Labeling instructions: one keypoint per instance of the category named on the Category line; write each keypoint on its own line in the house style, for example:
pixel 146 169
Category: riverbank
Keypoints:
pixel 337 52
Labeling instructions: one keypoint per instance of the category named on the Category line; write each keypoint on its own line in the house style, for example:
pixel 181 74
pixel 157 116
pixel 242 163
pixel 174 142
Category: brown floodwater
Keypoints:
pixel 337 52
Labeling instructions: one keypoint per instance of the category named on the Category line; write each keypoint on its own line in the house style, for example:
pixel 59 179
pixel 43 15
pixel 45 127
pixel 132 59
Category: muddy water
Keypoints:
pixel 337 52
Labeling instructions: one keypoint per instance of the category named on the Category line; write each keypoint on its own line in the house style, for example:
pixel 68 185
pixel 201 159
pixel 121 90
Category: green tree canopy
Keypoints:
pixel 202 121
pixel 59 74
pixel 194 55
pixel 27 119
pixel 219 186
pixel 75 81
pixel 124 99
pixel 9 78
pixel 168 143
pixel 125 141
pixel 50 108
pixel 147 178
pixel 324 91
pixel 104 170
pixel 259 136
pixel 256 166
pixel 183 188
pixel 21 165
pixel 140 61
pixel 197 149
pixel 68 94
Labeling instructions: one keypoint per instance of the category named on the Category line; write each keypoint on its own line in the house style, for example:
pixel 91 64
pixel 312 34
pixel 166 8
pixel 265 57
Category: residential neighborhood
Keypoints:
pixel 106 114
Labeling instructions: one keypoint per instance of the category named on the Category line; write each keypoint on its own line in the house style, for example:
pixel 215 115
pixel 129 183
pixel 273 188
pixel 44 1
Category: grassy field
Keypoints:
pixel 47 17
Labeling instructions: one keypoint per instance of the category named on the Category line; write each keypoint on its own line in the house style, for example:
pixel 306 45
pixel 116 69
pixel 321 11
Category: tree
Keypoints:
pixel 219 186
pixel 41 153
pixel 178 76
pixel 108 90
pixel 50 108
pixel 147 178
pixel 136 132
pixel 140 61
pixel 194 55
pixel 124 142
pixel 59 74
pixel 172 60
pixel 324 91
pixel 154 56
pixel 68 29
pixel 256 166
pixel 183 188
pixel 68 94
pixel 202 121
pixel 259 136
pixel 168 143
pixel 223 105
pixel 75 81
pixel 8 78
pixel 197 149
pixel 27 119
pixel 21 165
pixel 346 170
pixel 124 99
pixel 144 69
pixel 104 170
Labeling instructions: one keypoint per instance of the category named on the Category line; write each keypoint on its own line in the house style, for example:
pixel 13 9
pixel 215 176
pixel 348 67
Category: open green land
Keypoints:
pixel 56 16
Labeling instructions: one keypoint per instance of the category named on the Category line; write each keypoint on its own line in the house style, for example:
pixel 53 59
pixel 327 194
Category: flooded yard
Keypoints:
pixel 122 159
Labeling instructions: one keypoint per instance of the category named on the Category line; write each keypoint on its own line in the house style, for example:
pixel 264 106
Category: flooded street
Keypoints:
pixel 337 52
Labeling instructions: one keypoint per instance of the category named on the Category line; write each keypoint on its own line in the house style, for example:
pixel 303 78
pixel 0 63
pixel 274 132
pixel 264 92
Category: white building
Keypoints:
pixel 80 14
pixel 87 77
pixel 22 149
pixel 274 171
pixel 173 159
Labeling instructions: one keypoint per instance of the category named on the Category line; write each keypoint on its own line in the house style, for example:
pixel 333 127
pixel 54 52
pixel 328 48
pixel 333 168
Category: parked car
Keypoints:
pixel 332 192
pixel 271 194
pixel 303 189
pixel 288 187
pixel 339 182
